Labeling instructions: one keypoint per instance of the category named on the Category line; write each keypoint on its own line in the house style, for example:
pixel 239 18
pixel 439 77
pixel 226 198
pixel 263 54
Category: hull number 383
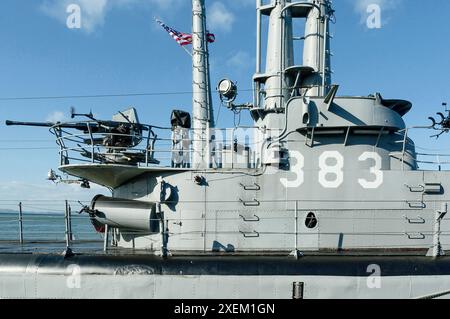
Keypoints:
pixel 331 170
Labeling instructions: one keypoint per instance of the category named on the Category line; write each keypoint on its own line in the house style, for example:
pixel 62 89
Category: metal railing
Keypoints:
pixel 159 146
pixel 54 229
pixel 63 230
pixel 163 146
pixel 429 160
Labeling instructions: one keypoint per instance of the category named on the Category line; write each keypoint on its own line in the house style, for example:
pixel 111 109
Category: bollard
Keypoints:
pixel 67 222
pixel 70 224
pixel 68 252
pixel 105 243
pixel 297 290
pixel 20 224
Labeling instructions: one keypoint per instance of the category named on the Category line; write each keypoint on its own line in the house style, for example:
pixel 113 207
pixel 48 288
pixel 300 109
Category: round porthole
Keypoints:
pixel 310 220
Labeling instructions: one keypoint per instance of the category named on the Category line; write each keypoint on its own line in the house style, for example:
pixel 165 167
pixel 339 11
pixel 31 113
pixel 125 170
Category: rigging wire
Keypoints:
pixel 28 148
pixel 27 141
pixel 95 96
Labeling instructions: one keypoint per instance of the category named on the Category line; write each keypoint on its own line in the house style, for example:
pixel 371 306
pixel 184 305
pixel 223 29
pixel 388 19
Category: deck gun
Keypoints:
pixel 124 130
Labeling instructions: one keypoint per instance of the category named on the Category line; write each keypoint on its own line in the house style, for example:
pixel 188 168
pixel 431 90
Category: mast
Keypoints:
pixel 280 55
pixel 202 109
pixel 316 50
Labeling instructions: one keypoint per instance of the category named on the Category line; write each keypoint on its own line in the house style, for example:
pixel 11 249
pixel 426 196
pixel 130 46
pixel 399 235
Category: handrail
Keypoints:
pixel 55 237
pixel 149 149
pixel 136 149
pixel 55 234
pixel 426 156
pixel 302 4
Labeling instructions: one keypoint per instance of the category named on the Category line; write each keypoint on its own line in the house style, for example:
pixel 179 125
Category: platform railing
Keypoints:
pixel 57 228
pixel 166 147
pixel 159 146
pixel 60 228
pixel 423 159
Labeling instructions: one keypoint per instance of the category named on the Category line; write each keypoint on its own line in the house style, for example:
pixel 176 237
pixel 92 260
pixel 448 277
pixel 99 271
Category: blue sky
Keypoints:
pixel 120 49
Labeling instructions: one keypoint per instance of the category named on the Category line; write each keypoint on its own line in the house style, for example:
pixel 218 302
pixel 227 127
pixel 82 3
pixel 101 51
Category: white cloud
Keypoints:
pixel 220 18
pixel 241 60
pixel 165 4
pixel 94 12
pixel 245 3
pixel 360 6
pixel 56 116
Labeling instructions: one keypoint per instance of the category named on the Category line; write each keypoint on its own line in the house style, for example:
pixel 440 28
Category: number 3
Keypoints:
pixel 375 170
pixel 297 168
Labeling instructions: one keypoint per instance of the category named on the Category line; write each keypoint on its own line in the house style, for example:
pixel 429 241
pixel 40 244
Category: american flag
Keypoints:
pixel 211 37
pixel 183 38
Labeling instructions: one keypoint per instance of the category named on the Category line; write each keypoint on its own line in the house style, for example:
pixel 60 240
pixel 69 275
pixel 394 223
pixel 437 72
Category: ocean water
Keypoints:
pixel 46 231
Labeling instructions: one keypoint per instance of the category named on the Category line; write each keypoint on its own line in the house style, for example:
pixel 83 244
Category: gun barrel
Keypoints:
pixel 40 124
pixel 78 126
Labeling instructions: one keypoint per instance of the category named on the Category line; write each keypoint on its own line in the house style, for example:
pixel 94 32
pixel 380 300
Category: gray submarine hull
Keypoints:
pixel 222 277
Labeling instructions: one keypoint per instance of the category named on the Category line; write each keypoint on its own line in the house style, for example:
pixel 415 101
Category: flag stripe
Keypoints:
pixel 183 38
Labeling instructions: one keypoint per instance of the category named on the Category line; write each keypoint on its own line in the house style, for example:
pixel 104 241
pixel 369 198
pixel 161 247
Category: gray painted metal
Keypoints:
pixel 346 160
pixel 316 51
pixel 140 216
pixel 202 111
pixel 328 175
pixel 44 276
pixel 280 56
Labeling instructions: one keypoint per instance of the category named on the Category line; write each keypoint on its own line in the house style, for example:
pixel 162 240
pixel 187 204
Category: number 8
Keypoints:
pixel 331 170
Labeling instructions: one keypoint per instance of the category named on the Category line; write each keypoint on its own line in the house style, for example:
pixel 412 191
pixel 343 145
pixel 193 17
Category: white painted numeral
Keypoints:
pixel 332 176
pixel 326 170
pixel 375 170
pixel 296 168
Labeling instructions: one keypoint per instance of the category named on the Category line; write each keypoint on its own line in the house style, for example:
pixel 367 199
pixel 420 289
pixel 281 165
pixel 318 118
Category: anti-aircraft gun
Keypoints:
pixel 443 124
pixel 102 141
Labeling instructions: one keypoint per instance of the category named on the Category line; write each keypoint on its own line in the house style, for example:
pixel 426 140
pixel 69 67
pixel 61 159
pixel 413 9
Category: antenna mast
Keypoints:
pixel 316 49
pixel 202 109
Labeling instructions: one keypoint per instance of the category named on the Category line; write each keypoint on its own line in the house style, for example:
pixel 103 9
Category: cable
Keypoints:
pixel 27 141
pixel 218 112
pixel 28 148
pixel 95 96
